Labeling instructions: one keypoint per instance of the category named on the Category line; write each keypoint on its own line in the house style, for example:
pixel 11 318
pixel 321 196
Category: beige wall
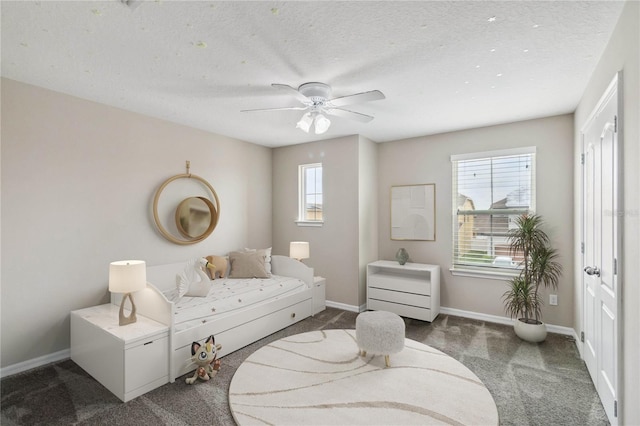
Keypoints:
pixel 368 211
pixel 622 54
pixel 78 180
pixel 333 246
pixel 427 160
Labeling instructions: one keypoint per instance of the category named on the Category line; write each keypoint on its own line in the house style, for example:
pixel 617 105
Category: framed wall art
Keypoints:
pixel 413 212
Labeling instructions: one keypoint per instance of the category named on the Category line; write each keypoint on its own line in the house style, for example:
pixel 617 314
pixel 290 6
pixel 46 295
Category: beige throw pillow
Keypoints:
pixel 267 257
pixel 247 265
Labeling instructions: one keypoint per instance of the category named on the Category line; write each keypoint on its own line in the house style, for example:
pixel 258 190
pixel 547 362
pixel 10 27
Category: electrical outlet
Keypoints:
pixel 553 299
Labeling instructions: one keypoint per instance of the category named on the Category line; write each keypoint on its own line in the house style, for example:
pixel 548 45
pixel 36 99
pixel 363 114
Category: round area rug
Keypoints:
pixel 319 378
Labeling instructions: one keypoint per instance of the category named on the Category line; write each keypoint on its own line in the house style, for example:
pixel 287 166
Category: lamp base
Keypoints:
pixel 124 320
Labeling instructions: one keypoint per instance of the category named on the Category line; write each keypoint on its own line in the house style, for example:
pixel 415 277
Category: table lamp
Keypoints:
pixel 127 276
pixel 299 250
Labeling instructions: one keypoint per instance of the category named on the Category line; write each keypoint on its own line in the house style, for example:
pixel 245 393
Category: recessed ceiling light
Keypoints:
pixel 535 25
pixel 499 74
pixel 525 50
pixel 477 66
pixel 466 82
pixel 492 19
pixel 492 50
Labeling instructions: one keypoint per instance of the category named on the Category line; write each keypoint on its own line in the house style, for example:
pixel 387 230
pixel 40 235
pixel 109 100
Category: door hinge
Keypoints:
pixel 582 336
pixel 615 124
pixel 615 266
pixel 582 159
pixel 615 408
pixel 582 248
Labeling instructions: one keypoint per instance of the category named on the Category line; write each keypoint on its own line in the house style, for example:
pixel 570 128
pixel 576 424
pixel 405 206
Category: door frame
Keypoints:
pixel 618 182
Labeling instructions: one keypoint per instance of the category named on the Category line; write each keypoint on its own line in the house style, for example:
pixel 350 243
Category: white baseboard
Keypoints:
pixel 345 307
pixel 10 370
pixel 504 320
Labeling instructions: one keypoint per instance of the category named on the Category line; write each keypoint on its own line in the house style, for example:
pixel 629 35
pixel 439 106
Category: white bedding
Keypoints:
pixel 229 294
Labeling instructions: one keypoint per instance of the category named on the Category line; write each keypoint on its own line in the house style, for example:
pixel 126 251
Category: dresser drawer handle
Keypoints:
pixel 148 343
pixel 293 315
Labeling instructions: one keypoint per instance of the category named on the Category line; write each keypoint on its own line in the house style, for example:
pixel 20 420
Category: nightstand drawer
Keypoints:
pixel 146 363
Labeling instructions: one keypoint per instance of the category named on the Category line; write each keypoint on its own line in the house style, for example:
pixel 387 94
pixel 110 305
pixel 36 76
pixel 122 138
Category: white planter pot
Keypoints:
pixel 533 333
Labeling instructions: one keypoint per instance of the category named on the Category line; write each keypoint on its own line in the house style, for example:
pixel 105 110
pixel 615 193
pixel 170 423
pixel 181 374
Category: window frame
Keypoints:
pixel 302 195
pixel 479 270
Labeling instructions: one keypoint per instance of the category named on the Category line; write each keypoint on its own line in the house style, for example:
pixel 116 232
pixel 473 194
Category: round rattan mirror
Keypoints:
pixel 195 217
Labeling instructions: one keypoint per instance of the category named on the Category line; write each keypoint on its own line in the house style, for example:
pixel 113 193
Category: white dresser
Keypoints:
pixel 411 290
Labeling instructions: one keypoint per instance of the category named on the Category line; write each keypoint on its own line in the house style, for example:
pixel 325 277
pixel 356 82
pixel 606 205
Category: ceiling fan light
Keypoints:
pixel 305 123
pixel 322 124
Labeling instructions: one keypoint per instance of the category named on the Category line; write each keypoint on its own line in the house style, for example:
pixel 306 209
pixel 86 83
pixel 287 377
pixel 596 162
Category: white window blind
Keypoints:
pixel 310 204
pixel 490 190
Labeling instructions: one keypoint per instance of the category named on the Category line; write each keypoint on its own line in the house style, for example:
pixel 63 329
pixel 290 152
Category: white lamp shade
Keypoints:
pixel 322 124
pixel 127 276
pixel 305 122
pixel 299 250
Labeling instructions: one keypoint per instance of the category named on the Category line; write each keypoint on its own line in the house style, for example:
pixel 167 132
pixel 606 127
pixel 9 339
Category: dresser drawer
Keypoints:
pixel 404 283
pixel 399 297
pixel 423 314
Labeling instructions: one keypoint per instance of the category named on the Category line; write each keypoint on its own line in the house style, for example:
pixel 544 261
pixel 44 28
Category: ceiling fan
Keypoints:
pixel 317 102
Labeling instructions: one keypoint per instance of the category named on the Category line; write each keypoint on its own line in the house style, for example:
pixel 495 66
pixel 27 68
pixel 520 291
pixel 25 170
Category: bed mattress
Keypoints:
pixel 228 295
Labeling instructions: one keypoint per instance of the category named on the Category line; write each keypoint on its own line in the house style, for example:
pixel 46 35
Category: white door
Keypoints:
pixel 601 239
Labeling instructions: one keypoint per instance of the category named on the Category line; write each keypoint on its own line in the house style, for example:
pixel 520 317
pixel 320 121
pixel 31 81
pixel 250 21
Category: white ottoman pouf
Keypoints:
pixel 379 333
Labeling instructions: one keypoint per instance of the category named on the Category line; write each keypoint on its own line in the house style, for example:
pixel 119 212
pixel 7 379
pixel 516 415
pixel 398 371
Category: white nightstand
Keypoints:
pixel 319 294
pixel 128 360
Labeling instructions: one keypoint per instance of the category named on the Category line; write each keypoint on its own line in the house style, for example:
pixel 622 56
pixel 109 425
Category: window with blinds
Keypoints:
pixel 490 190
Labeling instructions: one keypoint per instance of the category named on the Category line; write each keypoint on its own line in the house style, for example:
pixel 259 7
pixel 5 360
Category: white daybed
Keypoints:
pixel 234 328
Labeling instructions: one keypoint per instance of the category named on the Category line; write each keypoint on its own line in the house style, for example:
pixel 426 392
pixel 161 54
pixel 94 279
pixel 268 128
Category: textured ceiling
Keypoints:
pixel 443 66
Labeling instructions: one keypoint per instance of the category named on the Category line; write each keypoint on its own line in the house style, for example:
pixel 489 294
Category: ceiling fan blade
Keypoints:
pixel 300 108
pixel 294 92
pixel 373 95
pixel 352 115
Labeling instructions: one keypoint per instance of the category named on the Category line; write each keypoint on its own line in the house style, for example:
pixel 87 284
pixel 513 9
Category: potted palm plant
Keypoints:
pixel 539 268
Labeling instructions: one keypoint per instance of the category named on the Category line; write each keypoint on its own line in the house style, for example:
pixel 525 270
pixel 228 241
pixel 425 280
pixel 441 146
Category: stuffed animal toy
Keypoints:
pixel 220 263
pixel 193 281
pixel 206 358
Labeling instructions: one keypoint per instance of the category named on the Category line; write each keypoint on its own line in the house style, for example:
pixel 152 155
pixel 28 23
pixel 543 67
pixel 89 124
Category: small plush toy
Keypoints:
pixel 206 358
pixel 220 266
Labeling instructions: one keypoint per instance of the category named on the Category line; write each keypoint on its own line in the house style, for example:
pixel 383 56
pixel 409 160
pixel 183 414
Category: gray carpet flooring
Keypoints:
pixel 532 384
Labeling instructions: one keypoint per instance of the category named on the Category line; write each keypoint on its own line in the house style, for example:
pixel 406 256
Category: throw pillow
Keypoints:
pixel 267 257
pixel 247 265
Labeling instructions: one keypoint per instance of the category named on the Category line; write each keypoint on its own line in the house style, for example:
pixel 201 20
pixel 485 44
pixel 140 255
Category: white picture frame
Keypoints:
pixel 413 212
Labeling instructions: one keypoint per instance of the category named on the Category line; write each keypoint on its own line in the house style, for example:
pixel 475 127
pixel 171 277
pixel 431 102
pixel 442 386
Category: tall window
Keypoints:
pixel 490 189
pixel 310 193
